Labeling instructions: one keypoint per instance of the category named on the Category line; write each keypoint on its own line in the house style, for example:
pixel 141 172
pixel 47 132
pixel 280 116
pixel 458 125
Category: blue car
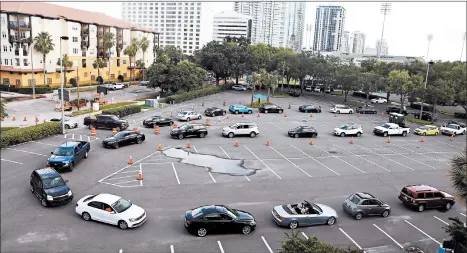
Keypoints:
pixel 67 155
pixel 240 109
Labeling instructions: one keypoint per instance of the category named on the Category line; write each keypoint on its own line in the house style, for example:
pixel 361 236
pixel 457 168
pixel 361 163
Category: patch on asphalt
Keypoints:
pixel 41 237
pixel 213 163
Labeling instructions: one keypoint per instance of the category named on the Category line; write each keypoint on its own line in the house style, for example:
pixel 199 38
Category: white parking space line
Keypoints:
pixel 369 150
pixel 267 245
pixel 116 172
pixel 445 143
pixel 315 160
pixel 175 172
pixel 120 177
pixel 390 237
pixel 220 246
pixel 210 174
pixel 290 161
pixel 339 159
pixel 350 238
pixel 405 156
pixel 361 156
pixel 262 162
pixel 172 249
pixel 231 158
pixel 420 154
pixel 5 160
pixel 26 152
pixel 120 251
pixel 433 239
pixel 463 214
pixel 43 143
pixel 430 150
pixel 445 223
pixel 141 172
pixel 304 235
pixel 119 183
pixel 130 171
pixel 275 126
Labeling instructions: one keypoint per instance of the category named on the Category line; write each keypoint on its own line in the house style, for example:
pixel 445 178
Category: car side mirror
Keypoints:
pixel 113 212
pixel 66 181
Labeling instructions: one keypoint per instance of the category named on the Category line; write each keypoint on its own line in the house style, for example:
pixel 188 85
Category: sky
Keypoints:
pixel 406 27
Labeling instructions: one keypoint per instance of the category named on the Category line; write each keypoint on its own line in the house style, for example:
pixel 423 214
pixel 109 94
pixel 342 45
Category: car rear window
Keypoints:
pixel 408 192
pixel 354 199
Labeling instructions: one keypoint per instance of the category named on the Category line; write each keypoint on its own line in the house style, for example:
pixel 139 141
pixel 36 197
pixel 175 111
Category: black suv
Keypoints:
pixel 428 116
pixel 266 108
pixel 49 187
pixel 422 197
pixel 397 109
pixel 214 111
pixel 189 130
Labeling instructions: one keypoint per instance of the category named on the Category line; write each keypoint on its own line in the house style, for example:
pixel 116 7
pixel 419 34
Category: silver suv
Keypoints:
pixel 364 204
pixel 241 128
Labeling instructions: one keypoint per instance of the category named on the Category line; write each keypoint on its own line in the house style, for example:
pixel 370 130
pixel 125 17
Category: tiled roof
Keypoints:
pixel 56 11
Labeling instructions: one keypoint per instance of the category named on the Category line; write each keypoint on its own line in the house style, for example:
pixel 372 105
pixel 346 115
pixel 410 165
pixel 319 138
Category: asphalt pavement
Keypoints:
pixel 288 171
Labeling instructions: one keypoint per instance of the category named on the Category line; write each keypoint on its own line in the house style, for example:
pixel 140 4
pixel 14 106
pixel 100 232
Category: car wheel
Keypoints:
pixel 313 135
pixel 199 117
pixel 171 123
pixel 86 216
pixel 44 202
pixel 246 230
pixel 385 213
pixel 223 113
pixel 122 225
pixel 424 133
pixel 358 216
pixel 359 134
pixel 280 111
pixel 405 134
pixel 67 127
pixel 187 119
pixel 180 136
pixel 463 133
pixel 331 221
pixel 115 145
pixel 342 134
pixel 231 135
pixel 86 155
pixel 250 112
pixel 436 133
pixel 266 111
pixel 32 188
pixel 375 112
pixel 236 112
pixel 421 208
pixel 448 206
pixel 350 112
pixel 385 134
pixel 202 135
pixel 139 140
pixel 338 112
pixel 296 135
pixel 202 232
pixel 71 166
pixel 293 225
pixel 252 134
pixel 118 129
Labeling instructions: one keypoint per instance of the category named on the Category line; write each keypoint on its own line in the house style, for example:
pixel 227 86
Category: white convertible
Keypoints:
pixel 111 209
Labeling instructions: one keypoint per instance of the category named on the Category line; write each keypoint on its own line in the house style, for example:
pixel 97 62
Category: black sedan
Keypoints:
pixel 214 111
pixel 157 121
pixel 220 219
pixel 189 130
pixel 366 110
pixel 303 131
pixel 123 138
pixel 428 116
pixel 309 108
pixel 267 108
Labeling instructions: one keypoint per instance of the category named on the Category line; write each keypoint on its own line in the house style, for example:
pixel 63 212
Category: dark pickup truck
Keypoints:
pixel 68 154
pixel 106 121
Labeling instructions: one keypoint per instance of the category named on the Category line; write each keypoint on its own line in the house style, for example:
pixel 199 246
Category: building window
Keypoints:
pixel 93 77
pixel 112 76
pixel 49 80
pixel 17 62
pixel 124 62
pixel 6 62
pixel 85 74
pixel 5 48
pixel 3 35
pixel 75 39
pixel 75 51
pixel 6 81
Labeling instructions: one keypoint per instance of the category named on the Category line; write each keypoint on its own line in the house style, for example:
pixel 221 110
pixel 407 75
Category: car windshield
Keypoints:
pixel 53 182
pixel 452 126
pixel 183 113
pixel 184 127
pixel 154 117
pixel 317 207
pixel 197 212
pixel 121 205
pixel 231 212
pixel 423 127
pixel 60 151
pixel 113 117
pixel 119 135
pixel 386 126
pixel 344 127
pixel 354 199
pixel 298 129
pixel 234 126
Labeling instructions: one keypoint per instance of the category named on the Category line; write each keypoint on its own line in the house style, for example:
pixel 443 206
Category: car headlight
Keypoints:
pixel 49 198
pixel 69 193
pixel 132 220
pixel 66 163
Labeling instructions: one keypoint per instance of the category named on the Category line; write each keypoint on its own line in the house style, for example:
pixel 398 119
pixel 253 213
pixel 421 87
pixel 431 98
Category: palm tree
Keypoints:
pixel 44 45
pixel 458 175
pixel 66 63
pixel 98 64
pixel 109 42
pixel 144 44
pixel 131 51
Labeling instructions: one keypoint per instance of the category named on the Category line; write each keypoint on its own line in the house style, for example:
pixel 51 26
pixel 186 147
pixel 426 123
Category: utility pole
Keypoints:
pixel 33 81
pixel 77 82
pixel 429 38
pixel 463 45
pixel 385 10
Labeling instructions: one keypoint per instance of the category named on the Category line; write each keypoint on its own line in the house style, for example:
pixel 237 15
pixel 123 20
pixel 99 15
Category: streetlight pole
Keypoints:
pixel 61 83
pixel 33 81
pixel 463 45
pixel 385 10
pixel 429 38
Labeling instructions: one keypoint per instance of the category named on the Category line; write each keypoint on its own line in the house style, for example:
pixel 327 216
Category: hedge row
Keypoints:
pixel 123 111
pixel 27 90
pixel 31 133
pixel 193 94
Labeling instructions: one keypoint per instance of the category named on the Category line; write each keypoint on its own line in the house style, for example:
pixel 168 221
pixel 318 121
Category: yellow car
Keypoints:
pixel 427 130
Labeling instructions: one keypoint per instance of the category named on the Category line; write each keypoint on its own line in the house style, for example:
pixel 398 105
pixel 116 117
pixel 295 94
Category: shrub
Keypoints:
pixel 3 112
pixel 4 129
pixel 120 78
pixel 31 133
pixel 73 82
pixel 209 90
pixel 420 122
pixel 123 111
pixel 295 243
pixel 40 89
pixel 75 101
pixel 99 79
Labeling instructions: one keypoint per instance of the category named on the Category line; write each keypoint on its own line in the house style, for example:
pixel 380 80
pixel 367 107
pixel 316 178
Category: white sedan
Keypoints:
pixel 111 209
pixel 69 123
pixel 379 101
pixel 188 115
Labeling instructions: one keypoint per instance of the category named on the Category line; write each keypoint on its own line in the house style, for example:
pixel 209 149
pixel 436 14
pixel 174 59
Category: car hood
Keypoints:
pixel 381 128
pixel 133 212
pixel 243 215
pixel 447 195
pixel 57 158
pixel 327 210
pixel 57 191
pixel 123 121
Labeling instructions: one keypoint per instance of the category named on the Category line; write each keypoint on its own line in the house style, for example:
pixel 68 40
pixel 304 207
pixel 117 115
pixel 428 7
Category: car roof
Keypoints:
pixel 194 124
pixel 391 124
pixel 364 195
pixel 128 131
pixel 106 198
pixel 430 126
pixel 47 172
pixel 69 144
pixel 187 111
pixel 238 105
pixel 421 187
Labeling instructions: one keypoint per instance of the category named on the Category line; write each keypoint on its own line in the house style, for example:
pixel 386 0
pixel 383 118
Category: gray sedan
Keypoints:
pixel 303 214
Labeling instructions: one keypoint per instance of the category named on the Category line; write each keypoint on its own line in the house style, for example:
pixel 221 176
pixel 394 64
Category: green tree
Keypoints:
pixel 265 79
pixel 348 77
pixel 186 75
pixel 301 68
pixel 440 90
pixel 43 44
pixel 241 41
pixel 66 63
pixel 144 45
pixel 369 82
pixel 173 54
pixel 459 77
pixel 212 58
pixel 131 51
pixel 295 243
pixel 400 83
pixel 98 64
pixel 239 58
pixel 262 53
pixel 3 112
pixel 108 43
pixel 157 76
pixel 282 62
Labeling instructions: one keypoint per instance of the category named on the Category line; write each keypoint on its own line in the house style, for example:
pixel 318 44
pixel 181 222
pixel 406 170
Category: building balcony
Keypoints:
pixel 13 38
pixel 17 52
pixel 24 25
pixel 13 24
pixel 100 35
pixel 84 44
pixel 84 33
pixel 25 53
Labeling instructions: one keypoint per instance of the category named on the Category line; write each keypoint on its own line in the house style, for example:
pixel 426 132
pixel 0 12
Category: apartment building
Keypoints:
pixel 21 22
pixel 179 23
pixel 232 24
pixel 329 28
pixel 383 47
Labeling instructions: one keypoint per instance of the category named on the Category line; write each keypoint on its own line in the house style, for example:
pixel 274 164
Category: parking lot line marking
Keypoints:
pixel 141 172
pixel 210 174
pixel 175 172
pixel 441 220
pixel 350 238
pixel 463 214
pixel 430 150
pixel 304 235
pixel 448 144
pixel 433 239
pixel 315 160
pixel 290 161
pixel 89 138
pixel 124 182
pixel 116 172
pixel 361 156
pixel 384 157
pixel 26 152
pixel 420 154
pixel 73 136
pixel 120 251
pixel 390 237
pixel 120 177
pixel 340 159
pixel 231 158
pixel 43 143
pixel 5 160
pixel 267 245
pixel 80 137
pixel 64 136
pixel 275 126
pixel 220 246
pixel 262 162
pixel 172 249
pixel 131 171
pixel 405 156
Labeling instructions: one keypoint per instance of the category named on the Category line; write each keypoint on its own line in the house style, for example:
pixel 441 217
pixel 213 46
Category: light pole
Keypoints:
pixel 385 10
pixel 429 38
pixel 463 45
pixel 32 74
pixel 61 83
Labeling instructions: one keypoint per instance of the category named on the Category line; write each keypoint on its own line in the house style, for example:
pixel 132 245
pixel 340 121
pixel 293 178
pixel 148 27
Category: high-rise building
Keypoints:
pixel 345 42
pixel 329 28
pixel 231 23
pixel 179 23
pixel 384 47
pixel 21 22
pixel 294 24
pixel 357 40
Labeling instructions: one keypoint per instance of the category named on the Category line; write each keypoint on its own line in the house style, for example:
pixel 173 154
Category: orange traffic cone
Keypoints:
pixel 236 143
pixel 159 148
pixel 351 141
pixel 422 139
pixel 93 132
pixel 268 143
pixel 156 130
pixel 243 116
pixel 451 138
pixel 285 115
pixel 37 119
pixel 140 176
pixel 311 115
pixel 114 131
pixel 14 118
pixel 311 142
pixel 135 129
pixel 258 115
pixel 228 117
pixel 24 119
pixel 335 115
pixel 389 139
pixel 188 145
pixel 175 125
pixel 1 118
pixel 131 161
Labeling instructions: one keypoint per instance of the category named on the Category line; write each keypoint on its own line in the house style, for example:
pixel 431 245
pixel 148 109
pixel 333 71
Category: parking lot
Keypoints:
pixel 289 170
